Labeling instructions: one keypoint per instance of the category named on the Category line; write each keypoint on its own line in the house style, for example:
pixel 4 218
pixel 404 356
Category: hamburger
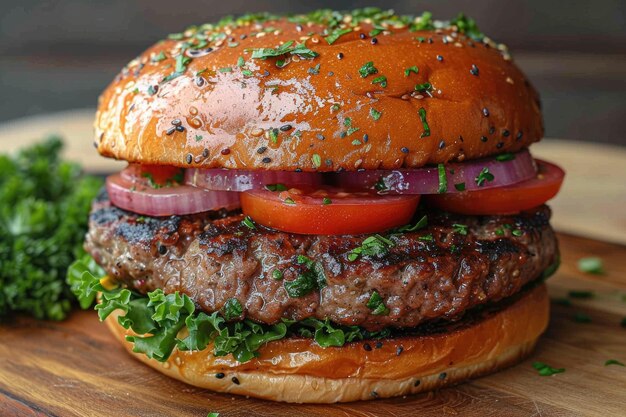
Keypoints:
pixel 322 208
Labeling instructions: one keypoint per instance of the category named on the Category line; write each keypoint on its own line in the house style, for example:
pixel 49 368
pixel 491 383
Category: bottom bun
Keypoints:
pixel 300 371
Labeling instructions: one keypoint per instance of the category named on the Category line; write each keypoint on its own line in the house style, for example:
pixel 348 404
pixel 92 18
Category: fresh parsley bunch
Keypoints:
pixel 44 206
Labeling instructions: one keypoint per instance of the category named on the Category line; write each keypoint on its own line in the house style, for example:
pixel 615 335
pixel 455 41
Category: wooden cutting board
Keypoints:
pixel 75 368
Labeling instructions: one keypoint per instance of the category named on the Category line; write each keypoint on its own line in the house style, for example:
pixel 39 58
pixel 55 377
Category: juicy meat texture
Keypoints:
pixel 214 257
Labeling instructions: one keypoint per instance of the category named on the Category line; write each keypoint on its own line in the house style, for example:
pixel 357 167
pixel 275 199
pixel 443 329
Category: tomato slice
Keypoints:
pixel 328 211
pixel 504 200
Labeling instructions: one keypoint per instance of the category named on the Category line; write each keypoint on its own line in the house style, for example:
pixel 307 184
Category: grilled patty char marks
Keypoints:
pixel 213 258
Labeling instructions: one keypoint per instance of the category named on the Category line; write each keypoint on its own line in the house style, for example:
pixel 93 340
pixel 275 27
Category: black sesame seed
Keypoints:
pixel 399 350
pixel 485 112
pixel 492 130
pixel 483 138
pixel 430 40
pixel 474 70
pixel 189 158
pixel 298 169
pixel 162 249
pixel 362 35
pixel 180 128
pixel 330 73
pixel 176 122
pixel 439 58
pixel 374 394
pixel 417 383
pixel 340 55
pixel 366 138
pixel 286 128
pixel 261 150
pixel 499 145
pixel 199 81
pixel 320 136
pixel 266 73
pixel 225 151
pixel 266 160
pixel 171 130
pixel 95 144
pixel 379 344
pixel 219 375
pixel 367 347
pixel 404 149
pixel 205 152
pixel 519 135
pixel 442 144
pixel 506 133
pixel 374 41
pixel 443 375
pixel 235 380
pixel 461 138
pixel 329 162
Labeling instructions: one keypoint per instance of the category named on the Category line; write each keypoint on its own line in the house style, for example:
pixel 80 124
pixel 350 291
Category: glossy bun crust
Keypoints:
pixel 201 99
pixel 298 370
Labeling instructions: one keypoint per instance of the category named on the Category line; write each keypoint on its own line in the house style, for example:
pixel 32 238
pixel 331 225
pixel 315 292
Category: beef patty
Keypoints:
pixel 437 272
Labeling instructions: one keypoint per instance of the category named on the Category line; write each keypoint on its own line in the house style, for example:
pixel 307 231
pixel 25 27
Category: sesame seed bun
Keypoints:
pixel 298 370
pixel 204 99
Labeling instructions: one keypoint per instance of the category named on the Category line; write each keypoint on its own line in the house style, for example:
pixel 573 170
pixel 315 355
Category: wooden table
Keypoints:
pixel 76 368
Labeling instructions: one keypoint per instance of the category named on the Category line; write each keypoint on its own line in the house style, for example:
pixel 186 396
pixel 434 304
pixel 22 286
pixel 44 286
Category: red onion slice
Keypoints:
pixel 239 180
pixel 166 201
pixel 459 176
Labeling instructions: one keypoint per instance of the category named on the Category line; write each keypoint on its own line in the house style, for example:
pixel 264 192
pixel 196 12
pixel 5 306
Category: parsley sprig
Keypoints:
pixel 299 49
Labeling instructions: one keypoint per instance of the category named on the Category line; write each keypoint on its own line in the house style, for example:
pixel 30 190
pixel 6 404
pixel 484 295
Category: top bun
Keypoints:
pixel 325 91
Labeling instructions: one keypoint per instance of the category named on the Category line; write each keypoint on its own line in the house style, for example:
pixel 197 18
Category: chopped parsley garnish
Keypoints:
pixel 580 317
pixel 377 305
pixel 410 70
pixel 289 200
pixel 613 362
pixel 277 274
pixel 317 160
pixel 460 229
pixel 336 34
pixel 181 63
pixel 300 49
pixel 467 26
pixel 546 370
pixel 240 62
pixel 159 57
pixel 367 69
pixel 382 80
pixel 375 114
pixel 443 179
pixel 232 309
pixel 427 238
pixel 423 222
pixel 484 176
pixel 425 22
pixel 505 157
pixel 311 279
pixel 422 114
pixel 246 73
pixel 424 87
pixel 247 221
pixel 314 70
pixel 585 295
pixel 225 69
pixel 276 187
pixel 591 265
pixel 326 201
pixel 460 186
pixel 375 245
pixel 517 232
pixel 380 185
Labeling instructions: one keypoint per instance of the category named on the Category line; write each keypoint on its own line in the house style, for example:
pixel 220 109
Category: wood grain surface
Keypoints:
pixel 75 368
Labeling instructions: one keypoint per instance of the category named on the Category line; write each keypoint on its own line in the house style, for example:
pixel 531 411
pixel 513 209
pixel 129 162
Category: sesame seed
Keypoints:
pixel 330 73
pixel 374 41
pixel 506 133
pixel 483 138
pixel 225 151
pixel 286 128
pixel 362 35
pixel 299 28
pixel 176 122
pixel 189 158
pixel 171 130
pixel 399 350
pixel 439 58
pixel 485 112
pixel 379 344
pixel 340 55
pixel 235 380
pixel 474 70
pixel 492 130
pixel 320 136
pixel 266 160
pixel 205 152
pixel 261 150
pixel 499 145
pixel 374 394
pixel 367 347
pixel 417 383
pixel 366 138
pixel 404 149
pixel 442 144
pixel 266 73
pixel 519 135
pixel 162 249
pixel 199 81
pixel 219 375
pixel 180 128
pixel 443 375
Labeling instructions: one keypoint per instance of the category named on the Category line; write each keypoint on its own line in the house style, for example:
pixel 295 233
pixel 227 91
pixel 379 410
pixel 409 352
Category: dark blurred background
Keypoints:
pixel 59 54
